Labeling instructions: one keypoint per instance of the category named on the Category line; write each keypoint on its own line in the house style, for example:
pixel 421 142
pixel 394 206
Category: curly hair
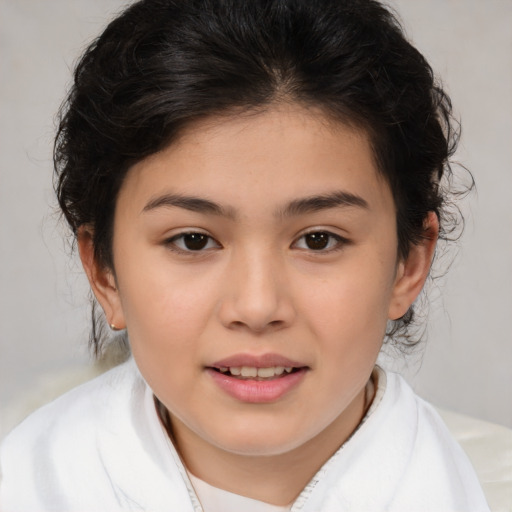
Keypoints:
pixel 163 64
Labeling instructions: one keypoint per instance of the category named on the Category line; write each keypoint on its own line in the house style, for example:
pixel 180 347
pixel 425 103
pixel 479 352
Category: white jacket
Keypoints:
pixel 101 447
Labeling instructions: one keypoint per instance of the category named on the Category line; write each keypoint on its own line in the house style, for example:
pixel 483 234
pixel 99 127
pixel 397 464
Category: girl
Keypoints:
pixel 256 193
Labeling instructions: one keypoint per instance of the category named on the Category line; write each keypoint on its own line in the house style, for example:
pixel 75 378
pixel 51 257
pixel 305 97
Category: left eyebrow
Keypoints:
pixel 323 202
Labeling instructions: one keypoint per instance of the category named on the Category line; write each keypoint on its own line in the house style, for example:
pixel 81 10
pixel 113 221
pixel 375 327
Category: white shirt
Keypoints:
pixel 101 447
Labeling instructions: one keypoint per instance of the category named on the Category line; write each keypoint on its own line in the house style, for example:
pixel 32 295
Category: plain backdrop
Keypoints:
pixel 467 359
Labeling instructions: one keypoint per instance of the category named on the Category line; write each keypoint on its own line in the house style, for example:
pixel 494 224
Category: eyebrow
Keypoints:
pixel 323 202
pixel 296 207
pixel 191 203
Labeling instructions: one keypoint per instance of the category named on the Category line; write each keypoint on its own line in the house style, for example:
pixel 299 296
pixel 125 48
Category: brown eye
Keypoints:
pixel 317 241
pixel 320 241
pixel 192 242
pixel 195 241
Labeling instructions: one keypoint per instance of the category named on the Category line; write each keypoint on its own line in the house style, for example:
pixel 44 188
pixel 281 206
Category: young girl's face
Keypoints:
pixel 258 244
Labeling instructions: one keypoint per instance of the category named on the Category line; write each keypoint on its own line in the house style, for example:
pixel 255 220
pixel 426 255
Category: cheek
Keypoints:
pixel 168 311
pixel 165 315
pixel 156 293
pixel 165 322
pixel 352 299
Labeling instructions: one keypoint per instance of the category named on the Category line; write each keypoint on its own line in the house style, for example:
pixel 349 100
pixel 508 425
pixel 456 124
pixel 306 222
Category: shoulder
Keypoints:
pixel 489 447
pixel 405 454
pixel 57 444
pixel 436 464
pixel 431 438
pixel 99 447
pixel 89 403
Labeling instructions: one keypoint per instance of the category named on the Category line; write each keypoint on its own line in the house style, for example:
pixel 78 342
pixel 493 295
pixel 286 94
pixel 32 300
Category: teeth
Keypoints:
pixel 247 371
pixel 251 371
pixel 266 372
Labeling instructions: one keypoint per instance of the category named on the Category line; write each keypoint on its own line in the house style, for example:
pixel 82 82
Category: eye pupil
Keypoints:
pixel 317 241
pixel 195 241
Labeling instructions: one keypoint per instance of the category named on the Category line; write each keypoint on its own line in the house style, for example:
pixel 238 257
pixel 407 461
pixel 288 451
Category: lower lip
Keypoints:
pixel 257 391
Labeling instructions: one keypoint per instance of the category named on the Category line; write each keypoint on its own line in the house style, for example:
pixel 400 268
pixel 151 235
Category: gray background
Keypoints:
pixel 467 362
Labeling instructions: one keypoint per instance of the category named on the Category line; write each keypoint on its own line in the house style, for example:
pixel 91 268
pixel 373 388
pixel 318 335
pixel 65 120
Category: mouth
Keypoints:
pixel 257 379
pixel 255 373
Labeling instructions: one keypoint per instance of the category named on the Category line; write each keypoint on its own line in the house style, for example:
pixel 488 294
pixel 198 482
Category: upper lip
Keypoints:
pixel 256 361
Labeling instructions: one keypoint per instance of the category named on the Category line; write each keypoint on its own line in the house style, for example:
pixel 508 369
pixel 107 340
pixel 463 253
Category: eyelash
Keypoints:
pixel 339 241
pixel 211 243
pixel 172 242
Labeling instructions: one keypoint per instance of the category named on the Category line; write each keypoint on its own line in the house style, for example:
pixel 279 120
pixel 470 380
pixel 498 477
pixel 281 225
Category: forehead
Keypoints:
pixel 261 158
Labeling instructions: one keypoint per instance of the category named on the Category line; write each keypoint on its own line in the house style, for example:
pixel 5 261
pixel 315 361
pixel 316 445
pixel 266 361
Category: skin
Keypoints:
pixel 257 288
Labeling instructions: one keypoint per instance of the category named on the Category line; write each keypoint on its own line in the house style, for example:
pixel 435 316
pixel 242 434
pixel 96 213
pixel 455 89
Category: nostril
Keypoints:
pixel 264 327
pixel 237 324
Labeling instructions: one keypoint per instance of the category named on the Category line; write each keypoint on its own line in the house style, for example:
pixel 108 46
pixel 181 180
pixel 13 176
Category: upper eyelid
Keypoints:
pixel 328 231
pixel 195 231
pixel 341 240
pixel 188 231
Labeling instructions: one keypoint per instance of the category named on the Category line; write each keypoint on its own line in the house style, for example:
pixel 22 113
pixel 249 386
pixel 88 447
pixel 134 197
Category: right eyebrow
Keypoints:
pixel 191 203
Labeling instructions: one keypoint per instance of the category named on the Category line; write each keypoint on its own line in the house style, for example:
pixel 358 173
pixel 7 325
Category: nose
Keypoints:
pixel 257 296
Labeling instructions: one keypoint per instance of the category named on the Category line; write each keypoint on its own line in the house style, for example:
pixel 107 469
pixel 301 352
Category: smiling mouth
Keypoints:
pixel 257 374
pixel 257 380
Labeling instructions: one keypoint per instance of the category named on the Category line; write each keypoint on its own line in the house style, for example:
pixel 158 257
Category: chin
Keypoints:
pixel 257 441
pixel 263 448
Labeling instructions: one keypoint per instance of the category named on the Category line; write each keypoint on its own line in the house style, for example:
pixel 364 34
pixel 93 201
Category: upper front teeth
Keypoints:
pixel 251 371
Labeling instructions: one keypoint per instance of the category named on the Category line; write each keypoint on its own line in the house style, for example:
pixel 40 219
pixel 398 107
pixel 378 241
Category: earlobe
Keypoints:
pixel 101 279
pixel 412 272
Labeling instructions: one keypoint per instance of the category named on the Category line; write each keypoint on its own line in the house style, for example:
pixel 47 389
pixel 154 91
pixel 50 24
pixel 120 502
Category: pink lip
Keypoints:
pixel 257 391
pixel 262 361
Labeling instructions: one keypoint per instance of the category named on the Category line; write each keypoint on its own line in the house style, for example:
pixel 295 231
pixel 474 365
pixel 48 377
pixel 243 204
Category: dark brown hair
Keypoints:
pixel 162 64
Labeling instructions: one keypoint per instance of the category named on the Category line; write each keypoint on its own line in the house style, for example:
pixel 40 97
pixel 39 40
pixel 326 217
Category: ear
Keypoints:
pixel 413 271
pixel 101 279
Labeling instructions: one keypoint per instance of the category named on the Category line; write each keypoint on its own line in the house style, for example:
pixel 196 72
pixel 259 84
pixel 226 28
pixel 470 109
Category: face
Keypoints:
pixel 255 270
